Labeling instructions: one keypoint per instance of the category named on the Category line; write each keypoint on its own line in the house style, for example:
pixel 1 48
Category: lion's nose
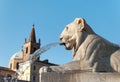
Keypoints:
pixel 61 37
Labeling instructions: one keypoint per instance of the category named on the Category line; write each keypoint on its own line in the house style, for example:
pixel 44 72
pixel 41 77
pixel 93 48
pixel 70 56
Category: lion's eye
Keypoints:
pixel 66 28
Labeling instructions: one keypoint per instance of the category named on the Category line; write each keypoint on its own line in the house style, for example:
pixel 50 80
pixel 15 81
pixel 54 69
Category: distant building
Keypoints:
pixel 19 58
pixel 9 75
pixel 6 72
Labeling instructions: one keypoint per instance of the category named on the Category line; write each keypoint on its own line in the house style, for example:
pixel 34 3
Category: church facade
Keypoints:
pixel 19 59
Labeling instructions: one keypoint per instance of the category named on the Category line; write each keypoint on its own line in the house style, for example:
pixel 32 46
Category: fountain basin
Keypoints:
pixel 76 76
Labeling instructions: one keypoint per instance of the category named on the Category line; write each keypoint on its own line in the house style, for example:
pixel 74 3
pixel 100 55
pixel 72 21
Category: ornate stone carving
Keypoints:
pixel 91 52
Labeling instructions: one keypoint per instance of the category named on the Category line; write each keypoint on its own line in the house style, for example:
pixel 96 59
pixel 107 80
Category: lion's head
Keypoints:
pixel 74 33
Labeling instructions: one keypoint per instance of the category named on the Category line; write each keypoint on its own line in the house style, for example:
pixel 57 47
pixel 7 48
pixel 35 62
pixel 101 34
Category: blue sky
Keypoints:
pixel 50 17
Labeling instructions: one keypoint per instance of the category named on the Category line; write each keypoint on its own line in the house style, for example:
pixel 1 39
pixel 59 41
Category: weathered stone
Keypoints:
pixel 91 54
pixel 79 77
pixel 90 51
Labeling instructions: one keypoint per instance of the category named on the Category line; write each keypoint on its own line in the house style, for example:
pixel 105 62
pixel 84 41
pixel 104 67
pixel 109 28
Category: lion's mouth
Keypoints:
pixel 67 45
pixel 62 43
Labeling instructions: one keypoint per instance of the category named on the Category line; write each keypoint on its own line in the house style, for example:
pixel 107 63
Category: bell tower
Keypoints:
pixel 31 45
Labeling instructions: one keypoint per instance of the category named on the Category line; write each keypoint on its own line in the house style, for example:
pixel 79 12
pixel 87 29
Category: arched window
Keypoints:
pixel 10 66
pixel 9 76
pixel 26 50
pixel 34 67
pixel 34 78
pixel 34 49
pixel 17 65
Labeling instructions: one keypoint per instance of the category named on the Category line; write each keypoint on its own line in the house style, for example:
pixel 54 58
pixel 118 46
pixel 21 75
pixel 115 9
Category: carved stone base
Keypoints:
pixel 79 77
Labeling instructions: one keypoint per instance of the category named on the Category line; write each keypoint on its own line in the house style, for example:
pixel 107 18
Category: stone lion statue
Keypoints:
pixel 91 52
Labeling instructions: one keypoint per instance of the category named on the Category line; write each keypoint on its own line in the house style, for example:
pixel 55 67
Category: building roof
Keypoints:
pixel 32 37
pixel 47 62
pixel 18 55
pixel 6 69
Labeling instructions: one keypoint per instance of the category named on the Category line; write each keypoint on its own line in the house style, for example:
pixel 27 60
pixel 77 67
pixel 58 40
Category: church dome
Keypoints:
pixel 18 55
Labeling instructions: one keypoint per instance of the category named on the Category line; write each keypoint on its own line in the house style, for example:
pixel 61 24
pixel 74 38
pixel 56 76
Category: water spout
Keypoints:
pixel 38 52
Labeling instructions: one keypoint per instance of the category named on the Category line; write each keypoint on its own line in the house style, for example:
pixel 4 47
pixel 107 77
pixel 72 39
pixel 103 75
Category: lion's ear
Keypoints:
pixel 81 22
